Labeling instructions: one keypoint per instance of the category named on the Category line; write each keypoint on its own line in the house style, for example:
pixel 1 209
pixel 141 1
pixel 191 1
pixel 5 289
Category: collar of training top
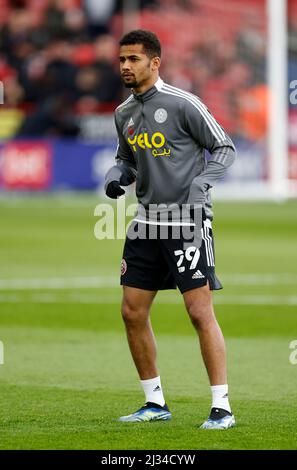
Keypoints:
pixel 149 93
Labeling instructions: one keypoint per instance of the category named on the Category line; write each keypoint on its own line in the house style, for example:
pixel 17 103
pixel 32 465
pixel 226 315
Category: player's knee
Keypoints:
pixel 201 315
pixel 133 315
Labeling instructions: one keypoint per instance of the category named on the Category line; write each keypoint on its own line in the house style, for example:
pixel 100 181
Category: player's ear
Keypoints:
pixel 155 63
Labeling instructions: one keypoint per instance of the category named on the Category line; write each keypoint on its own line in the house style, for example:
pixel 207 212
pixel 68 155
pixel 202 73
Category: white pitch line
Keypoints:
pixel 111 281
pixel 219 299
pixel 59 283
pixel 252 279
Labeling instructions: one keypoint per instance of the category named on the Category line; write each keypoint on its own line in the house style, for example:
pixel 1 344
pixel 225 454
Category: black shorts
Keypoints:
pixel 158 264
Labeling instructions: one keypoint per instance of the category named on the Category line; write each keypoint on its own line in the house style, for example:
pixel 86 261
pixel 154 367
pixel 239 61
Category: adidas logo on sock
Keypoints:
pixel 157 389
pixel 198 275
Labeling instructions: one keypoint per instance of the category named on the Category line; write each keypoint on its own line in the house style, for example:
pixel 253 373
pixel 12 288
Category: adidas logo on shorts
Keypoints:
pixel 198 275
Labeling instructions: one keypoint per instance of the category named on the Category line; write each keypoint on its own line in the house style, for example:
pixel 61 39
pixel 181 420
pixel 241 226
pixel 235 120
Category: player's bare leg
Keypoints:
pixel 136 306
pixel 135 312
pixel 200 309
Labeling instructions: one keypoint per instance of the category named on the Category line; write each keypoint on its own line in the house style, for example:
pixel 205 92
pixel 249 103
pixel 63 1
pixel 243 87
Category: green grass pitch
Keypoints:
pixel 67 374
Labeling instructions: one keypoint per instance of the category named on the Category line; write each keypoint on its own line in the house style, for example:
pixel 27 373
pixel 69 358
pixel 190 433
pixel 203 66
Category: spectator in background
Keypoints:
pixel 251 46
pixel 62 23
pixel 54 117
pixel 99 14
pixel 86 90
pixel 33 78
pixel 248 103
pixel 54 74
pixel 292 36
pixel 60 71
pixel 252 107
pixel 76 25
pixel 55 19
pixel 106 64
pixel 97 79
pixel 15 38
pixel 48 72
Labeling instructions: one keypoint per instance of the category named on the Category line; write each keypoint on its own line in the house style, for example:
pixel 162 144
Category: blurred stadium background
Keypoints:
pixel 67 373
pixel 59 68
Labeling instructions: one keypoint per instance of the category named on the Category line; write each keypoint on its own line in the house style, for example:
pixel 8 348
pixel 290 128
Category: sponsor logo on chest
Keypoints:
pixel 156 141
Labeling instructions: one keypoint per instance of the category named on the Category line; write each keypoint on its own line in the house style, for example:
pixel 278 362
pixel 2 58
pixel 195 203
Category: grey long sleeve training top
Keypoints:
pixel 163 134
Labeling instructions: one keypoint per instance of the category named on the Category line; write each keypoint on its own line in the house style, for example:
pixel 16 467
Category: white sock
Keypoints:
pixel 220 397
pixel 153 391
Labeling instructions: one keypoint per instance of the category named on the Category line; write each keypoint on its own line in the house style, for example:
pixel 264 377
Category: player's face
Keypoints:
pixel 136 67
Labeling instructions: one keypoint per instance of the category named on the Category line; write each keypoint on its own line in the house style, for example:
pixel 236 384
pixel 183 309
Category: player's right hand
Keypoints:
pixel 114 190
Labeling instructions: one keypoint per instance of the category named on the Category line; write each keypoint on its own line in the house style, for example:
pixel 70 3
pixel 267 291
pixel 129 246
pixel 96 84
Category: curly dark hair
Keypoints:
pixel 148 39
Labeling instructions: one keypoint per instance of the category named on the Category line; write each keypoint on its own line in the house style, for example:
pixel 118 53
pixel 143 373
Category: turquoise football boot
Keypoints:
pixel 149 412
